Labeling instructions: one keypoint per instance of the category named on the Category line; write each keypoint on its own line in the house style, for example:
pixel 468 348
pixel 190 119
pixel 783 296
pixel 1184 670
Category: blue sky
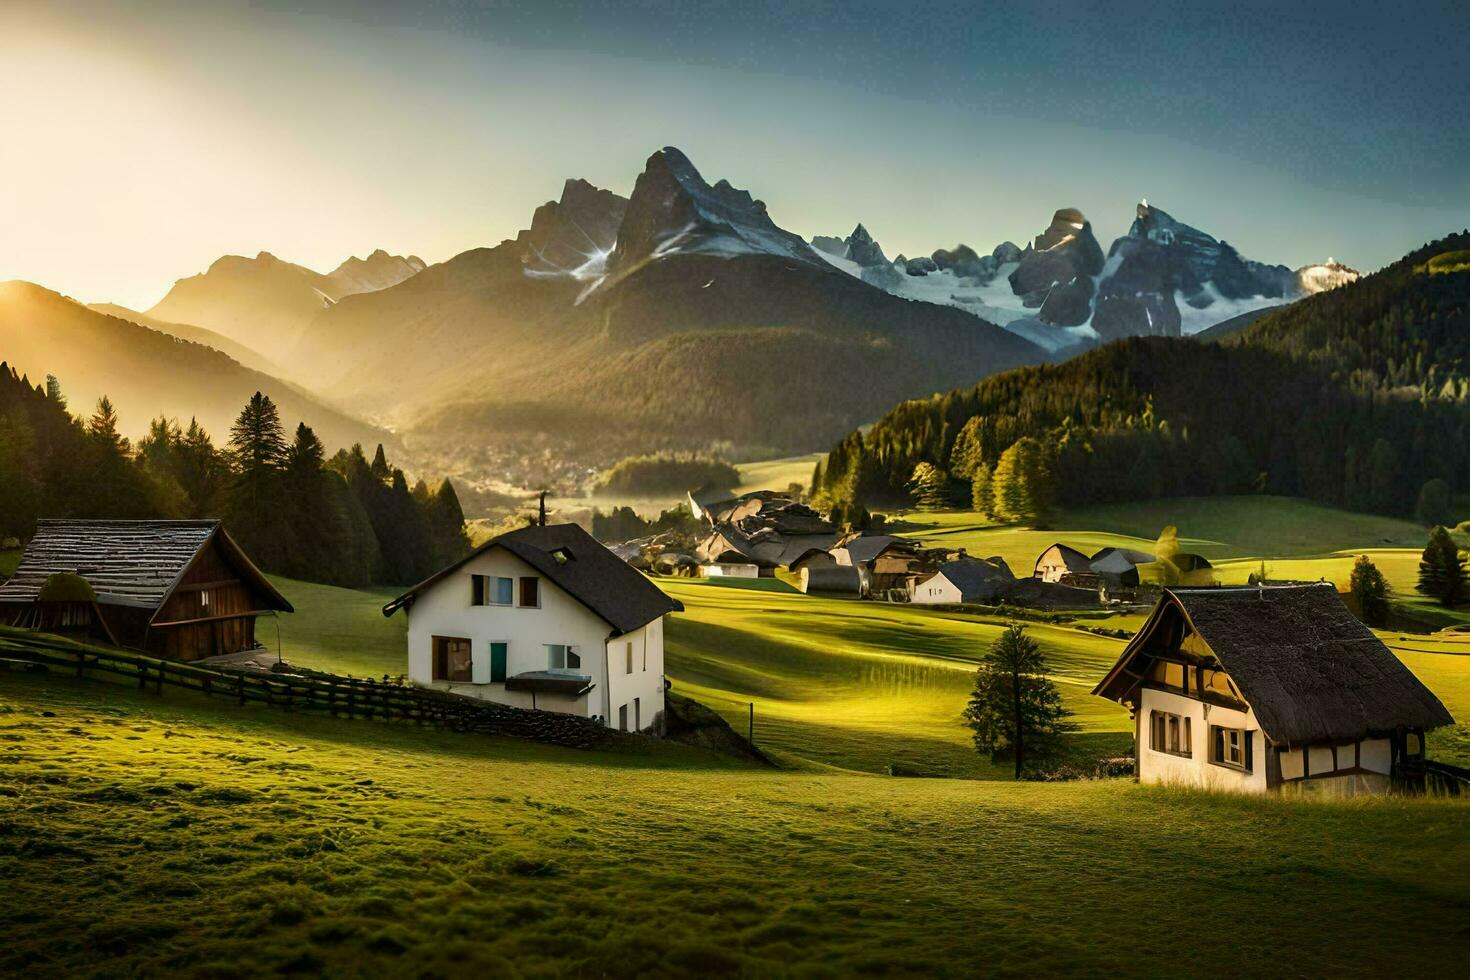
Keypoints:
pixel 155 136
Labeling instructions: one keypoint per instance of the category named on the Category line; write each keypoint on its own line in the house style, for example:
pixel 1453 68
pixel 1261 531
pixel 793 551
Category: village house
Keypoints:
pixel 181 590
pixel 543 617
pixel 1259 689
pixel 1060 562
pixel 965 580
pixel 818 571
pixel 763 529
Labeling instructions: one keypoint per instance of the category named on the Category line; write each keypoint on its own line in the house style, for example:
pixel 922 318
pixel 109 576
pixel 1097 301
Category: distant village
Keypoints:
pixel 765 533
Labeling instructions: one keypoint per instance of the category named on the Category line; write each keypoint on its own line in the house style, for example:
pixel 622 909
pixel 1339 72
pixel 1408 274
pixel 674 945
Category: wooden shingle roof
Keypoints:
pixel 1305 664
pixel 127 563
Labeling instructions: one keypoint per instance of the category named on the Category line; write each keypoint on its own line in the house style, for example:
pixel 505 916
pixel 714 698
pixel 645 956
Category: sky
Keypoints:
pixel 139 141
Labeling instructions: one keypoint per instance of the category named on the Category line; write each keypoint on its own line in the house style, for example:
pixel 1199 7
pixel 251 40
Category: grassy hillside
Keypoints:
pixel 864 685
pixel 1245 527
pixel 148 835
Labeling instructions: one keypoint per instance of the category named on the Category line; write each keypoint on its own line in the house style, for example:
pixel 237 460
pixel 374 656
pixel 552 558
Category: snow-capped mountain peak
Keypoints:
pixel 673 210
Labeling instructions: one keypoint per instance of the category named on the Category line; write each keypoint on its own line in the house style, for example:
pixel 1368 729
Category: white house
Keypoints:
pixel 964 580
pixel 543 617
pixel 1256 689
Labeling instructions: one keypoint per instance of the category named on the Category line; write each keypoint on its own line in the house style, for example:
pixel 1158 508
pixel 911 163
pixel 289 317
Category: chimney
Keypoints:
pixel 541 513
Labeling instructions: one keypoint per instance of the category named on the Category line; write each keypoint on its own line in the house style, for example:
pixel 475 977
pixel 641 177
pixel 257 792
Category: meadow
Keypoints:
pixel 165 835
pixel 152 836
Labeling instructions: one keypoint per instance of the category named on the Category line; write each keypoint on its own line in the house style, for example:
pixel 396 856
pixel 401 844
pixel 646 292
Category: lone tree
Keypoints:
pixel 1015 710
pixel 1370 590
pixel 1442 569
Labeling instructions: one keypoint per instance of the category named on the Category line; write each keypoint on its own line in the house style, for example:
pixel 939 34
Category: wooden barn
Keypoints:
pixel 183 590
pixel 1266 689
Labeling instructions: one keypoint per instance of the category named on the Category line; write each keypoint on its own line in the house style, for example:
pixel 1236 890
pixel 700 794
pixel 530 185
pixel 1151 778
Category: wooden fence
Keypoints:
pixel 341 697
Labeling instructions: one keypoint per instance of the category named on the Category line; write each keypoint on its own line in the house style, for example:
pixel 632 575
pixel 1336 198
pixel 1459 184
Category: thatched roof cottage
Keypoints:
pixel 1258 689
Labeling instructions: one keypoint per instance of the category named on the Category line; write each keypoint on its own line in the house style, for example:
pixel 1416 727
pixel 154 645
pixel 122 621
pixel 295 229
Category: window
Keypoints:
pixel 1230 747
pixel 1170 733
pixel 490 590
pixel 559 656
pixel 530 592
pixel 499 654
pixel 562 555
pixel 630 658
pixel 623 718
pixel 637 716
pixel 204 598
pixel 452 659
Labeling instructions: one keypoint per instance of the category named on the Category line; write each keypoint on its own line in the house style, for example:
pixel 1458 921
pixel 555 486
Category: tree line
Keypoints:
pixel 1358 398
pixel 1156 417
pixel 342 520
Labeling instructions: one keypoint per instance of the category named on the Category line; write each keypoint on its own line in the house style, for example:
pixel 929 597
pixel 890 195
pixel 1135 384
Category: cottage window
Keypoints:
pixel 630 657
pixel 453 660
pixel 204 598
pixel 1230 747
pixel 560 656
pixel 491 590
pixel 530 592
pixel 1170 733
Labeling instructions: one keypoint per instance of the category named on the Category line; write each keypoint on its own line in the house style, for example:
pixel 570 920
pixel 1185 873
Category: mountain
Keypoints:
pixel 197 335
pixel 147 373
pixel 677 316
pixel 1355 396
pixel 378 271
pixel 673 211
pixel 1163 278
pixel 1319 278
pixel 265 302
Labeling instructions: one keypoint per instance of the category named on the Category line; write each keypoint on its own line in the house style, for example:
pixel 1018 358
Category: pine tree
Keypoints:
pixel 982 491
pixel 257 453
pixel 53 391
pixel 1015 709
pixel 1023 485
pixel 1442 569
pixel 1369 590
pixel 102 427
pixel 929 487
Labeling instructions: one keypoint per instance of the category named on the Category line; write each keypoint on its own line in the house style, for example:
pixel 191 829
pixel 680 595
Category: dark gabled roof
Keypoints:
pixel 591 574
pixel 1119 559
pixel 868 547
pixel 1074 560
pixel 128 563
pixel 1303 662
pixel 971 575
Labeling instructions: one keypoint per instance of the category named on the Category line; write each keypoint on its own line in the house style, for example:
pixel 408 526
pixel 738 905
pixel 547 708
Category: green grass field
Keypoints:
pixel 148 835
